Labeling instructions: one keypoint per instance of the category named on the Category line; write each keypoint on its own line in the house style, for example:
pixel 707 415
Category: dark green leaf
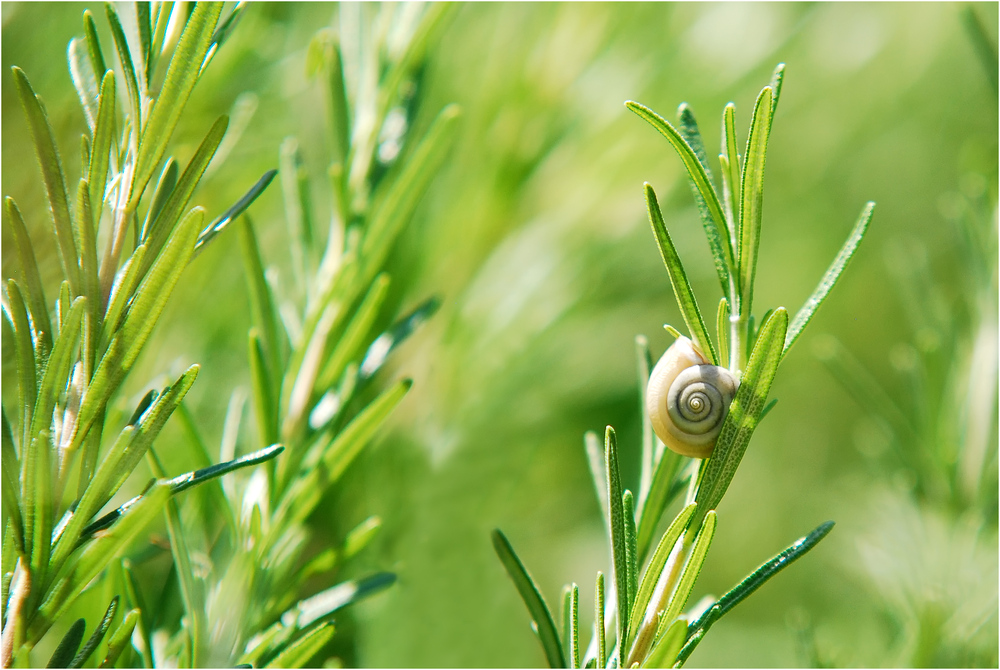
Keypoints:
pixel 189 479
pixel 541 616
pixel 803 316
pixel 320 606
pixel 64 653
pixel 95 639
pixel 631 560
pixel 686 299
pixel 145 26
pixel 618 539
pixel 220 222
pixel 753 581
pixel 401 329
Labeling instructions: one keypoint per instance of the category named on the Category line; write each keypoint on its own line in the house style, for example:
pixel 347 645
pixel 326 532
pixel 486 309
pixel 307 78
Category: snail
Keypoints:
pixel 687 399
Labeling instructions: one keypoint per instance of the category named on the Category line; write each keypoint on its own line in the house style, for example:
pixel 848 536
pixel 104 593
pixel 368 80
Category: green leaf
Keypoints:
pixel 305 492
pixel 24 352
pixel 664 652
pixel 298 214
pixel 752 197
pixel 119 462
pixel 145 28
pixel 97 555
pixel 104 135
pixel 82 74
pixel 131 80
pixel 147 305
pixel 162 226
pixel 541 616
pixel 744 412
pixel 121 292
pixel 164 188
pixel 52 175
pixel 89 270
pixel 665 488
pixel 191 587
pixel 644 363
pixel 383 345
pixel 715 223
pixel 96 637
pixel 262 305
pixel 36 302
pixel 339 109
pixel 298 654
pixel 11 488
pixel 265 404
pixel 220 222
pixel 574 629
pixel 652 574
pixel 678 279
pixel 731 181
pixel 195 477
pixel 394 210
pixel 696 631
pixel 94 46
pixel 67 647
pixel 691 570
pixel 631 560
pixel 120 638
pixel 182 73
pixel 776 80
pixel 618 540
pixel 349 344
pixel 58 368
pixel 722 330
pixel 803 316
pixel 325 603
pixel 602 652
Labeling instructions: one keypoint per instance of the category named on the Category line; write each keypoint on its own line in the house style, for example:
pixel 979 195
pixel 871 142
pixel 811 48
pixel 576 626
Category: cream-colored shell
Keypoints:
pixel 687 399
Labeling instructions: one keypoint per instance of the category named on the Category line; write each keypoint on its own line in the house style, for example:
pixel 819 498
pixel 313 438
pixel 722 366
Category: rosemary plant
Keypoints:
pixel 315 347
pixel 640 617
pixel 68 447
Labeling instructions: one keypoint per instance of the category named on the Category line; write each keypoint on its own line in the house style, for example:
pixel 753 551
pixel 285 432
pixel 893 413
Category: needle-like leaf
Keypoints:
pixel 36 302
pixel 686 299
pixel 752 197
pixel 182 73
pixel 541 616
pixel 618 539
pixel 297 654
pixel 715 223
pixel 805 314
pixel 95 638
pixel 696 631
pixel 121 637
pixel 744 412
pixel 52 175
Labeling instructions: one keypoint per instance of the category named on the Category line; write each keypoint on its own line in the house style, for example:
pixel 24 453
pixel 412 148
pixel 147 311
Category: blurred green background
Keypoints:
pixel 535 237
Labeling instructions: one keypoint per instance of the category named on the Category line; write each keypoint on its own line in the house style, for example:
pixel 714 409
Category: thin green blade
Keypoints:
pixel 752 196
pixel 678 279
pixel 545 625
pixel 844 256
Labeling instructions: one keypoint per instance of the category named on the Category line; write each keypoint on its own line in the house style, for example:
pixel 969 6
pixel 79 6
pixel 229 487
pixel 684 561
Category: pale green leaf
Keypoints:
pixel 752 197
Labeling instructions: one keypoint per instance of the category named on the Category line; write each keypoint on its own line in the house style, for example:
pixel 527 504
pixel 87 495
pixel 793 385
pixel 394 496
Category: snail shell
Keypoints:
pixel 688 398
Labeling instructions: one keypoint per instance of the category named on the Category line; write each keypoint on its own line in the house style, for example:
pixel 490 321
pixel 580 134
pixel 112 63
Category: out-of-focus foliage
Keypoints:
pixel 536 240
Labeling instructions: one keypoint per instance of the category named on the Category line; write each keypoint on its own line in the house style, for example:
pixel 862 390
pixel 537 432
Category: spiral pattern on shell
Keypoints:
pixel 688 398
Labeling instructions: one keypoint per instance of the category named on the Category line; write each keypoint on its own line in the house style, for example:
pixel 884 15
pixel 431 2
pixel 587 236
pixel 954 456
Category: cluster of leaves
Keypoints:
pixel 72 357
pixel 646 606
pixel 315 348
